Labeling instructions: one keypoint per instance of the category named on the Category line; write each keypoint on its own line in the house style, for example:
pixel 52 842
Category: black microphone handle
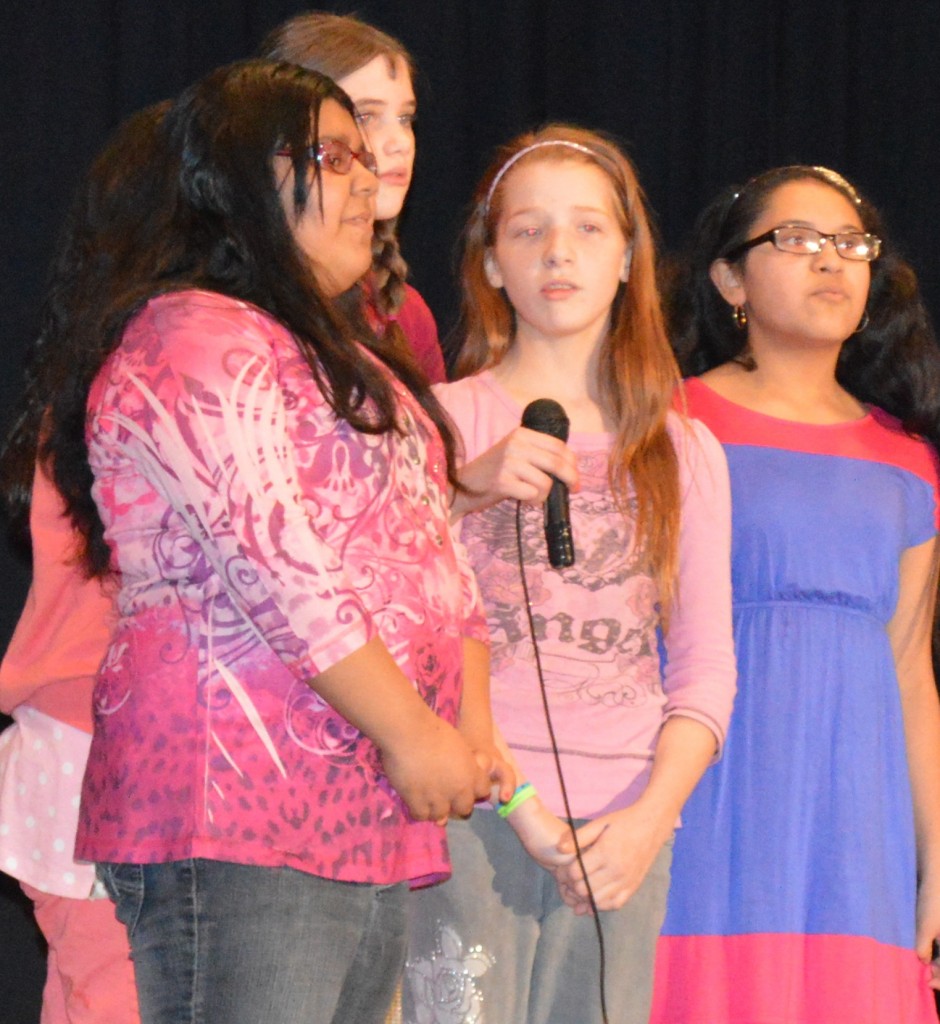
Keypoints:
pixel 558 527
pixel 548 417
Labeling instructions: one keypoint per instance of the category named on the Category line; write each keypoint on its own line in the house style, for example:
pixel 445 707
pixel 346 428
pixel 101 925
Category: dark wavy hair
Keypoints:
pixel 893 362
pixel 101 242
pixel 204 212
pixel 338 45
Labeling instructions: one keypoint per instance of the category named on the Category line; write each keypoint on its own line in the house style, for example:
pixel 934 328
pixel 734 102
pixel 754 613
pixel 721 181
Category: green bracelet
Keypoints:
pixel 522 793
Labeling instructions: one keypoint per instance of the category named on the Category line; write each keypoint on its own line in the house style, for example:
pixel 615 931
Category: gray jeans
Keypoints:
pixel 495 944
pixel 220 943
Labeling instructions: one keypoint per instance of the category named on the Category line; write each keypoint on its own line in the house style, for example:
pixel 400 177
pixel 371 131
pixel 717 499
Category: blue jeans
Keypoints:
pixel 220 943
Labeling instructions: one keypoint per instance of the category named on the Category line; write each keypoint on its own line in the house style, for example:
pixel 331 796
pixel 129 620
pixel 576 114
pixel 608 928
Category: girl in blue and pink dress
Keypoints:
pixel 806 878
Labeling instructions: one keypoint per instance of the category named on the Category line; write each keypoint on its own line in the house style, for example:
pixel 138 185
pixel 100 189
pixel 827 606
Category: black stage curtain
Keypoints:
pixel 701 94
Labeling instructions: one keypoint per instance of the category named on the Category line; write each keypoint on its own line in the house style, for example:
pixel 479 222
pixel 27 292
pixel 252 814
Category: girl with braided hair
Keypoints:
pixel 376 71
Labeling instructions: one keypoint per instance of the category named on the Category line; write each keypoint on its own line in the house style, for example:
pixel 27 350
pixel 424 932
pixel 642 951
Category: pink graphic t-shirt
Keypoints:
pixel 260 540
pixel 610 683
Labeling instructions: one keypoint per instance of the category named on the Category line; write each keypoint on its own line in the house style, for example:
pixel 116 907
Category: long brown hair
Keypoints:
pixel 637 372
pixel 337 45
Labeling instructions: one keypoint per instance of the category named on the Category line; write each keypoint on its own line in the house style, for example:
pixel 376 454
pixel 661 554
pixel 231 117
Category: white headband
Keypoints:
pixel 501 173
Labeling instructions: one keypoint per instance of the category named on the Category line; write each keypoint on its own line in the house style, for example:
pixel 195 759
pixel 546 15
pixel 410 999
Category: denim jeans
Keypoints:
pixel 496 943
pixel 220 943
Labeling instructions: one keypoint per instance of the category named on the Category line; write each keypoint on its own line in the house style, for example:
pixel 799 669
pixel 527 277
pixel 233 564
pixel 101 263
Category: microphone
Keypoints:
pixel 547 417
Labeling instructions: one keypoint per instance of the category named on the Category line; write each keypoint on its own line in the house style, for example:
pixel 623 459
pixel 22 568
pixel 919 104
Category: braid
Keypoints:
pixel 389 271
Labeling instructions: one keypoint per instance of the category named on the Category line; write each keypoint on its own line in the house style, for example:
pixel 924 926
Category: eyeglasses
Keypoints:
pixel 850 245
pixel 337 156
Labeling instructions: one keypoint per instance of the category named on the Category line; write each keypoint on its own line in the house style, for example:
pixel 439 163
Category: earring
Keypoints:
pixel 863 323
pixel 739 316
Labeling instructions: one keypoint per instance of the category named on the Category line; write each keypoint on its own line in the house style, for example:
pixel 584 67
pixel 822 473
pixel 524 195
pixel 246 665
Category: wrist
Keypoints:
pixel 409 730
pixel 659 817
pixel 524 793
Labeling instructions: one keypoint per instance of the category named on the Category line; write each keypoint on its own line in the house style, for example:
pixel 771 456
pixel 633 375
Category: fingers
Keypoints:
pixel 504 777
pixel 534 460
pixel 587 834
pixel 520 467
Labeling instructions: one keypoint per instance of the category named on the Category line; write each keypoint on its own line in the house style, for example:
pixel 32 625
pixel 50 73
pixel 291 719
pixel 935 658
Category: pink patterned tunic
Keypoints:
pixel 260 540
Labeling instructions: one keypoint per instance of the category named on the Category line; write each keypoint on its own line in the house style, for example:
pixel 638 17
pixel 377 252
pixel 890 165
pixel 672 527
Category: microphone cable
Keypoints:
pixel 602 973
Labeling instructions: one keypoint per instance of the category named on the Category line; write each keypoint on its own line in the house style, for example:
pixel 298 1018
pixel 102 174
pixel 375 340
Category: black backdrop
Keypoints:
pixel 701 94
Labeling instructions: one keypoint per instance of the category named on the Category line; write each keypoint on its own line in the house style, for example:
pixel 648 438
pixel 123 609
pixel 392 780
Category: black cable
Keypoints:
pixel 602 974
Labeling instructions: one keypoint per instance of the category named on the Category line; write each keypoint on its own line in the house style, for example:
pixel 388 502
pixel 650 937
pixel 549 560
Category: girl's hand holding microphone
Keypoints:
pixel 521 467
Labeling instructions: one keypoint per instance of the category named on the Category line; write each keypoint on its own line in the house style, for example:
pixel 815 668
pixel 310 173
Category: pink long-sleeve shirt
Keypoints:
pixel 260 540
pixel 597 622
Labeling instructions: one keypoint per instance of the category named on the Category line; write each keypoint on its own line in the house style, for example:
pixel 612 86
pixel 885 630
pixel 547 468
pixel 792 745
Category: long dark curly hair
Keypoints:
pixel 893 362
pixel 185 197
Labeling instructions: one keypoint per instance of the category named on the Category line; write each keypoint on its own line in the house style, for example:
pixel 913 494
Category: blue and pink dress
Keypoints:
pixel 794 874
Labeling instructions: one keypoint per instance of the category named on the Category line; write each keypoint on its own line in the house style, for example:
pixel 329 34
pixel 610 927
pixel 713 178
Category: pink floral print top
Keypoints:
pixel 260 540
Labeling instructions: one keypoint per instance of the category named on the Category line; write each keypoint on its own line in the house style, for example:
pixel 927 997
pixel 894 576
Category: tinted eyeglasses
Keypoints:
pixel 337 156
pixel 850 245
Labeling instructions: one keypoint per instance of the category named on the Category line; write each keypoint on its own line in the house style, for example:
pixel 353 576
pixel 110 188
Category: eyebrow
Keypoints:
pixel 353 140
pixel 807 224
pixel 578 209
pixel 382 103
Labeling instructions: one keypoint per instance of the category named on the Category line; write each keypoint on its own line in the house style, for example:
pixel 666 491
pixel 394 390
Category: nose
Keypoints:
pixel 828 259
pixel 397 139
pixel 557 248
pixel 364 182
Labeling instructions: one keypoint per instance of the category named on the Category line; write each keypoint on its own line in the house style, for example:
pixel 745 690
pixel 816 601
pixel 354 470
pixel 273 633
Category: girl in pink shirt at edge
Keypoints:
pixel 560 302
pixel 49 667
pixel 377 73
pixel 270 480
pixel 48 670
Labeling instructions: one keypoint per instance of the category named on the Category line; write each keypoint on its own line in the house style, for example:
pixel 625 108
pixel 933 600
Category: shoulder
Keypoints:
pixel 415 308
pixel 418 325
pixel 462 398
pixel 193 327
pixel 693 439
pixel 480 410
pixel 416 319
pixel 698 400
pixel 204 311
pixel 892 444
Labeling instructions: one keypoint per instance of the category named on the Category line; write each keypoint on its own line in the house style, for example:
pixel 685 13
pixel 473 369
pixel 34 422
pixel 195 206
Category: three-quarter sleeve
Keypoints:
pixel 699 673
pixel 200 402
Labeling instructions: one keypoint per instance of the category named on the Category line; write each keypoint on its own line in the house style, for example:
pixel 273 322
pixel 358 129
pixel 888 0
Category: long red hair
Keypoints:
pixel 638 375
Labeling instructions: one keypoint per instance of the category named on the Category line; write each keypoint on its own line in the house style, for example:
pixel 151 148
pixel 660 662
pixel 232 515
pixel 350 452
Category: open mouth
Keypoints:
pixel 558 289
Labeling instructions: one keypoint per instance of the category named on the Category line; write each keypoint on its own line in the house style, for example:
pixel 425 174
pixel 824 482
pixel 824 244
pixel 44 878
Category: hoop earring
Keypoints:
pixel 739 316
pixel 863 323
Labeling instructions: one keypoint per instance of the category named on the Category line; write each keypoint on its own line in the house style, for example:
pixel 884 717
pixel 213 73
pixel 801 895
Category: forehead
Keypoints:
pixel 551 183
pixel 809 201
pixel 337 122
pixel 382 78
